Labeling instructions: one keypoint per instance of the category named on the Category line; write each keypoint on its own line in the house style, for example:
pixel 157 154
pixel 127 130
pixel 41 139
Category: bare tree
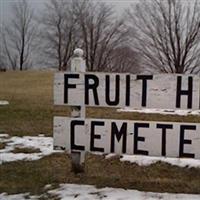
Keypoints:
pixel 87 24
pixel 2 61
pixel 18 36
pixel 60 32
pixel 9 57
pixel 4 55
pixel 124 59
pixel 168 34
pixel 101 32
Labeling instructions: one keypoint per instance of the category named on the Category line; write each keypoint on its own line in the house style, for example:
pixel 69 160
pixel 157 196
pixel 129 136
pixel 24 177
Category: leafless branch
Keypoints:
pixel 168 34
pixel 18 35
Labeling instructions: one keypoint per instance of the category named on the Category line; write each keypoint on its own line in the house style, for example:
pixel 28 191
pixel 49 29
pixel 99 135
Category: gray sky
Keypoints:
pixel 5 6
pixel 39 5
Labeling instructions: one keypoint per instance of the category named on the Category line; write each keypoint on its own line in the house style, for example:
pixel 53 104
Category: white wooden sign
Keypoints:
pixel 165 91
pixel 128 137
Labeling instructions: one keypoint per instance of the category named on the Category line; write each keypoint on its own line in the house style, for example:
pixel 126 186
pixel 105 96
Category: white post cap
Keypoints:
pixel 78 52
pixel 77 62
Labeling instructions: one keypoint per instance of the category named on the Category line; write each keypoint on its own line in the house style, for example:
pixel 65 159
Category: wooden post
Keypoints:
pixel 78 65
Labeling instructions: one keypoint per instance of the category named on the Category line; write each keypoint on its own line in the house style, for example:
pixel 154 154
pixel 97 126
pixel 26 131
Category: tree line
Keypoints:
pixel 151 36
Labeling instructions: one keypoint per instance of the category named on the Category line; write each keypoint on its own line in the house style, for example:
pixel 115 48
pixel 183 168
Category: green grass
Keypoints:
pixel 31 111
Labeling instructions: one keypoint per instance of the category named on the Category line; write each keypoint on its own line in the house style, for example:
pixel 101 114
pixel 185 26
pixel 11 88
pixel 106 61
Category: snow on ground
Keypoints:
pixel 87 192
pixel 162 111
pixel 2 135
pixel 3 103
pixel 45 144
pixel 83 192
pixel 4 196
pixel 147 160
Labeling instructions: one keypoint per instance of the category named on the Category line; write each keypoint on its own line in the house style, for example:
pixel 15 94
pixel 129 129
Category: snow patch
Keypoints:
pixel 3 103
pixel 3 135
pixel 80 192
pixel 45 144
pixel 83 192
pixel 161 111
pixel 148 160
pixel 24 196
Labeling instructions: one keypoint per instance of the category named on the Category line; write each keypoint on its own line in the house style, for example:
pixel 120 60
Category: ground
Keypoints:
pixel 30 113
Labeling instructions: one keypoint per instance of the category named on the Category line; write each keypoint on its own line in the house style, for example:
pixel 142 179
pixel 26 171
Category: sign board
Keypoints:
pixel 128 137
pixel 165 91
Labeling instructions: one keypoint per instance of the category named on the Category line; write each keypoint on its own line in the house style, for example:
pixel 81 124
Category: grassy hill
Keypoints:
pixel 31 111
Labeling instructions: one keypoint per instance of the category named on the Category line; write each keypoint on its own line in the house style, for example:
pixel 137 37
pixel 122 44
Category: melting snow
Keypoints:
pixel 147 160
pixel 162 111
pixel 81 192
pixel 3 135
pixel 86 192
pixel 2 103
pixel 45 144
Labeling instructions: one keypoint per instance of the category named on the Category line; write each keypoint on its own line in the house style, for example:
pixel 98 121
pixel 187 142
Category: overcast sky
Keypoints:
pixel 38 5
pixel 5 6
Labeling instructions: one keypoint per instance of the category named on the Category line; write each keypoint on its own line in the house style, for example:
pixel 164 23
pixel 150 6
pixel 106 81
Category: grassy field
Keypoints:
pixel 31 111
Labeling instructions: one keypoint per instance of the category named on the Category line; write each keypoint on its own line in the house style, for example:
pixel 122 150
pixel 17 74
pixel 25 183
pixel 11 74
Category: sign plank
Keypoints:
pixel 164 91
pixel 128 137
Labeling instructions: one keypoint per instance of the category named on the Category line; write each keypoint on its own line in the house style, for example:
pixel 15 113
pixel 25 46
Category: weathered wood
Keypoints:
pixel 182 139
pixel 78 65
pixel 161 91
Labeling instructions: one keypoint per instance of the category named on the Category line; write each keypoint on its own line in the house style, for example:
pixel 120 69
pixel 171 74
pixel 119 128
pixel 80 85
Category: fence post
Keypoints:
pixel 78 65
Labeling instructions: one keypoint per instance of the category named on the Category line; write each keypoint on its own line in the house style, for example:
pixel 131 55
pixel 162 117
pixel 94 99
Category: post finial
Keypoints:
pixel 78 52
pixel 77 61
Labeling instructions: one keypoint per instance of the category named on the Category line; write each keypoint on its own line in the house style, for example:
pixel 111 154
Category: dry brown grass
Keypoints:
pixel 110 113
pixel 31 112
pixel 30 96
pixel 159 177
pixel 25 150
pixel 2 145
pixel 31 109
pixel 32 176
